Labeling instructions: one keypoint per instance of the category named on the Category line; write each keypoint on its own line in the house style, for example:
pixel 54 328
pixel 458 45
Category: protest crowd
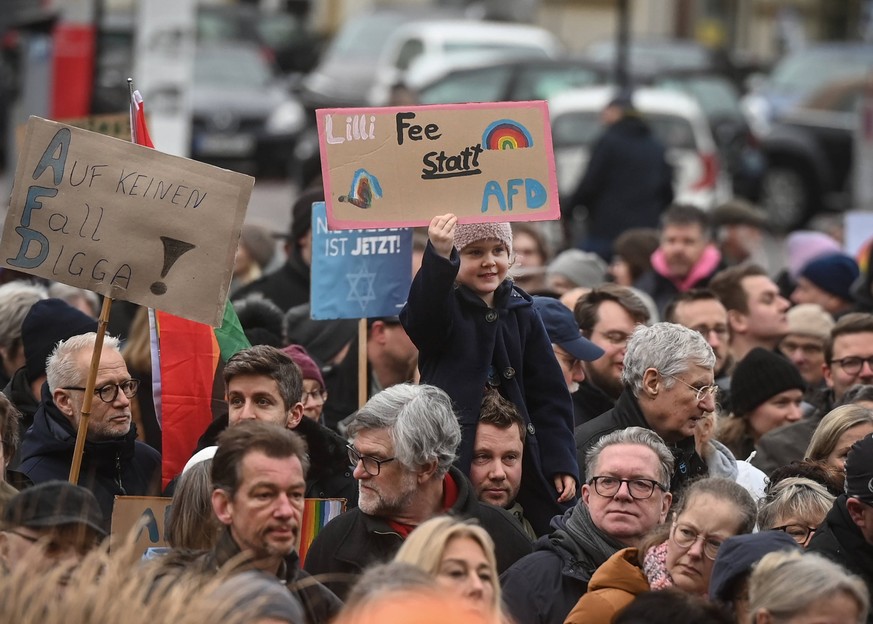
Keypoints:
pixel 651 427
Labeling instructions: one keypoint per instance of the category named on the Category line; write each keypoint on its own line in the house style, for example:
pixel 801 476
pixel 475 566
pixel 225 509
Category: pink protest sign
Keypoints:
pixel 401 166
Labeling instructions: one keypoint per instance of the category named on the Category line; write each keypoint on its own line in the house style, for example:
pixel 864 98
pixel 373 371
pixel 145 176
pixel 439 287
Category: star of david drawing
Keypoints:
pixel 361 280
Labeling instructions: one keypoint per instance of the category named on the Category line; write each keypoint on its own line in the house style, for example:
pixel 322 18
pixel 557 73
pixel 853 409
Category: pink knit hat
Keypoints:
pixel 466 233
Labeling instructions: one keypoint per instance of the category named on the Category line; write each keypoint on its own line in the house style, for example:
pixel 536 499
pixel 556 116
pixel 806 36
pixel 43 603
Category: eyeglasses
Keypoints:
pixel 853 364
pixel 797 532
pixel 372 466
pixel 319 396
pixel 639 489
pixel 685 537
pixel 702 391
pixel 55 545
pixel 109 392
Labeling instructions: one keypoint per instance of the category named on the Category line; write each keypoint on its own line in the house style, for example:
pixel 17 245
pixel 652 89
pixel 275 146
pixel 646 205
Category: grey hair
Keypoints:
pixel 787 583
pixel 62 366
pixel 16 299
pixel 794 496
pixel 420 420
pixel 667 347
pixel 633 435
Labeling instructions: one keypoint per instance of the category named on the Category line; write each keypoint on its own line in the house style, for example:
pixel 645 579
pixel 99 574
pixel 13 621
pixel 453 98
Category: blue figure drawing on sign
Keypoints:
pixel 361 286
pixel 365 188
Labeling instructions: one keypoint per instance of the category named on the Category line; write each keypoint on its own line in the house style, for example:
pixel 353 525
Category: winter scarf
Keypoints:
pixel 655 567
pixel 581 537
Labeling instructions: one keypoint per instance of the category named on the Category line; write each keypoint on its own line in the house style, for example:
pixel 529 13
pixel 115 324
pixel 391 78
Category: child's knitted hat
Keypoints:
pixel 466 233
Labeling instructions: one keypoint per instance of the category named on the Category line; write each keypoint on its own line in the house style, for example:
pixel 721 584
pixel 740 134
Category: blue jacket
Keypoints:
pixel 464 346
pixel 110 468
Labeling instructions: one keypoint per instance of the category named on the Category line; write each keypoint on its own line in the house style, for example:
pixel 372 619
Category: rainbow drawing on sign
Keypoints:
pixel 506 134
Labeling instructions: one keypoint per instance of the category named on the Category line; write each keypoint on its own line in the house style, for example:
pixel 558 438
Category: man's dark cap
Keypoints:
pixel 54 504
pixel 48 322
pixel 859 470
pixel 738 554
pixel 563 331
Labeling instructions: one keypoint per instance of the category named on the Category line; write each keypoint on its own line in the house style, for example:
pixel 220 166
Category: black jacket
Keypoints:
pixel 627 182
pixel 287 286
pixel 544 586
pixel 589 402
pixel 464 346
pixel 320 605
pixel 355 540
pixel 840 540
pixel 110 468
pixel 627 413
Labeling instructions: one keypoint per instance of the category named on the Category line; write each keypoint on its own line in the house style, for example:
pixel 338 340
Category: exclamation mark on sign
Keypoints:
pixel 173 249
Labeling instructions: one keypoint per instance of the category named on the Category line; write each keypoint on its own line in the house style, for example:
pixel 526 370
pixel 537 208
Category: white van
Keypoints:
pixel 419 52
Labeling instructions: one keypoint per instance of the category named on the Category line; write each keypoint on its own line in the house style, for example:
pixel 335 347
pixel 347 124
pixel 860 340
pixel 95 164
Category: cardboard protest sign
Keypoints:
pixel 155 512
pixel 124 220
pixel 358 273
pixel 401 166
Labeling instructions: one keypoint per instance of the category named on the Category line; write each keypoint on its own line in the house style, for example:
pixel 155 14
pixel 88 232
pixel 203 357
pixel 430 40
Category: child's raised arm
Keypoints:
pixel 441 232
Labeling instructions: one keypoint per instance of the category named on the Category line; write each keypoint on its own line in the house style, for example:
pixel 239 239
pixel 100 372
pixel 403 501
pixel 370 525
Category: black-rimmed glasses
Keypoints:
pixel 319 396
pixel 372 466
pixel 702 391
pixel 109 392
pixel 797 532
pixel 685 537
pixel 639 489
pixel 853 364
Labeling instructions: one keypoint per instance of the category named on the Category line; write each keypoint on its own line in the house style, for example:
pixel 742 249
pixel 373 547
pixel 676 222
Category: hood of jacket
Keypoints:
pixel 720 461
pixel 52 434
pixel 621 571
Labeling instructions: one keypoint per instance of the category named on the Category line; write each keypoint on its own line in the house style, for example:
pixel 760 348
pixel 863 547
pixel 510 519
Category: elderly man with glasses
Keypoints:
pixel 403 443
pixel 114 462
pixel 668 388
pixel 626 496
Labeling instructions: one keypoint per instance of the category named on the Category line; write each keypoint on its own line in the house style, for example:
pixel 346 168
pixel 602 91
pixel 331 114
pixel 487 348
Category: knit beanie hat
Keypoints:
pixel 810 319
pixel 760 375
pixel 466 233
pixel 307 365
pixel 859 470
pixel 259 242
pixel 833 273
pixel 48 322
pixel 583 268
pixel 804 246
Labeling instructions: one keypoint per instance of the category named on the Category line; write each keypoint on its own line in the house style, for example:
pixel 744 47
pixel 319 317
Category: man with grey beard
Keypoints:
pixel 403 443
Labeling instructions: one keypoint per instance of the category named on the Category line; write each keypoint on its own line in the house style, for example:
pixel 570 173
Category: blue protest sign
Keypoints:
pixel 358 273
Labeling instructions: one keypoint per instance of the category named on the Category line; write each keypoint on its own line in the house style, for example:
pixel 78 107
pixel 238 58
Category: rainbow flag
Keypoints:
pixel 185 357
pixel 317 512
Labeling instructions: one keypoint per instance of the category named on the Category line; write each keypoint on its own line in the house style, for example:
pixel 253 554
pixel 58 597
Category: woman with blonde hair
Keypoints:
pixel 796 506
pixel 837 432
pixel 459 555
pixel 789 587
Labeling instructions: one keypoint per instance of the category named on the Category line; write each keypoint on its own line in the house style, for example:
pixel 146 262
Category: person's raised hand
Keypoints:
pixel 441 232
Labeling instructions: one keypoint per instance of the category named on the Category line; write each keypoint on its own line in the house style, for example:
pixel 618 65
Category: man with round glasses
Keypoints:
pixel 668 388
pixel 114 462
pixel 403 443
pixel 626 496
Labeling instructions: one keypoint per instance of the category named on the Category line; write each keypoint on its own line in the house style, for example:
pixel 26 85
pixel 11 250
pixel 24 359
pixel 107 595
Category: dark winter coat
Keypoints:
pixel 465 346
pixel 589 402
pixel 627 183
pixel 287 286
pixel 627 413
pixel 840 540
pixel 355 540
pixel 544 586
pixel 20 395
pixel 110 468
pixel 320 605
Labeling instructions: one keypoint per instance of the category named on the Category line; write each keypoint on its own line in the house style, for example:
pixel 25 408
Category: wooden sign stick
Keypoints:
pixel 363 377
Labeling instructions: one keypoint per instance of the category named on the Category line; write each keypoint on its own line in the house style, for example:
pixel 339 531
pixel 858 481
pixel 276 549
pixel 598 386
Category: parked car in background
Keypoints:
pixel 674 118
pixel 800 74
pixel 420 51
pixel 810 153
pixel 512 81
pixel 242 114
